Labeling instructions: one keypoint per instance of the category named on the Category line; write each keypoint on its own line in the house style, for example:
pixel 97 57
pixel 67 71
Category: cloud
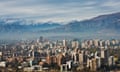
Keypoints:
pixel 57 10
pixel 112 3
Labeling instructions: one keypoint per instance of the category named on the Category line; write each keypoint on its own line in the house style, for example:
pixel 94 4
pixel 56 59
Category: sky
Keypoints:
pixel 57 10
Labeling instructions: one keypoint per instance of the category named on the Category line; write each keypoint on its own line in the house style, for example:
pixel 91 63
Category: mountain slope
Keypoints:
pixel 19 25
pixel 100 23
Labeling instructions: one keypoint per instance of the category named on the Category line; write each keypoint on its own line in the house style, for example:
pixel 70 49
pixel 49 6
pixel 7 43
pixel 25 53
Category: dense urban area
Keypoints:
pixel 43 55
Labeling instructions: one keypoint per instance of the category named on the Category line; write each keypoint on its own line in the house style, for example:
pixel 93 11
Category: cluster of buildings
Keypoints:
pixel 62 55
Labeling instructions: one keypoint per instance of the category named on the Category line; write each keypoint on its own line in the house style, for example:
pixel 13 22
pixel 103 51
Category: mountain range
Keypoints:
pixel 21 25
pixel 102 23
pixel 98 26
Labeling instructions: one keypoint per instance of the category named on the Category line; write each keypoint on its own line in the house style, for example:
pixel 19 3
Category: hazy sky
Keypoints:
pixel 57 10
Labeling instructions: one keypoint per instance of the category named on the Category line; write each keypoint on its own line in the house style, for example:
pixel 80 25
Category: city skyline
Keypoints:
pixel 43 55
pixel 59 35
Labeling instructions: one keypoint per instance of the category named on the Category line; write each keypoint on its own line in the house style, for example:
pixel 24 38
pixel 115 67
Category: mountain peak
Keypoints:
pixel 108 16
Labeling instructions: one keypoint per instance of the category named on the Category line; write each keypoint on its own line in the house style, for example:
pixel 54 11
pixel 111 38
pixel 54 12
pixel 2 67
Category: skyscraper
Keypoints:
pixel 64 43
